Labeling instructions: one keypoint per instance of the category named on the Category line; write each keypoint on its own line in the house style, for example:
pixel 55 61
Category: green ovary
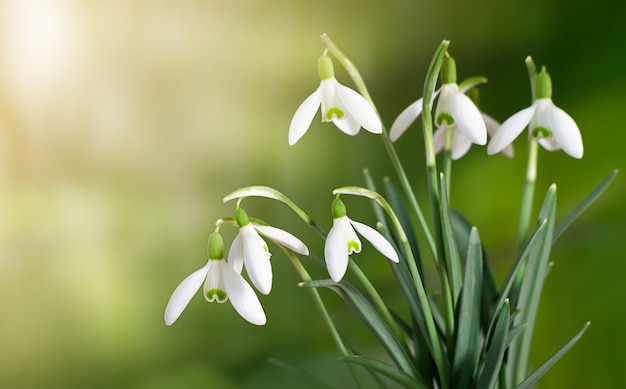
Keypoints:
pixel 216 294
pixel 541 132
pixel 334 112
pixel 444 117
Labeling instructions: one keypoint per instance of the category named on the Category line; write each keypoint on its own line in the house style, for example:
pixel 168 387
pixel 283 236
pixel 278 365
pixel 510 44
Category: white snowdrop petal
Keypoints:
pixel 336 252
pixel 439 139
pixel 360 109
pixel 283 237
pixel 256 258
pixel 565 131
pixel 183 294
pixel 405 119
pixel 235 254
pixel 510 129
pixel 303 117
pixel 242 296
pixel 347 125
pixel 467 118
pixel 460 144
pixel 376 239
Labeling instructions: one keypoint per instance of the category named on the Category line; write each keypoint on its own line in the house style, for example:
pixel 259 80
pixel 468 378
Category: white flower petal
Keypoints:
pixel 214 289
pixel 549 144
pixel 183 294
pixel 242 296
pixel 347 124
pixel 235 254
pixel 492 127
pixel 256 257
pixel 303 117
pixel 460 144
pixel 360 109
pixel 405 119
pixel 510 129
pixel 336 251
pixel 439 139
pixel 467 118
pixel 565 131
pixel 283 237
pixel 377 240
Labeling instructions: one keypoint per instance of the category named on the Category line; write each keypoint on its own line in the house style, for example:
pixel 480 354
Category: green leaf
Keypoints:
pixel 495 350
pixel 532 286
pixel 467 344
pixel 451 252
pixel 384 369
pixel 462 229
pixel 584 205
pixel 372 320
pixel 531 379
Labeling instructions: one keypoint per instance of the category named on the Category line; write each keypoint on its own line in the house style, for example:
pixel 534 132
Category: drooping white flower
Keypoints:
pixel 342 241
pixel 347 109
pixel 249 249
pixel 221 283
pixel 454 110
pixel 552 127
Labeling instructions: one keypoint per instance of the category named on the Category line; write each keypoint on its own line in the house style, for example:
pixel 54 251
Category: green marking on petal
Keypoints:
pixel 353 246
pixel 444 116
pixel 541 132
pixel 266 249
pixel 334 112
pixel 216 294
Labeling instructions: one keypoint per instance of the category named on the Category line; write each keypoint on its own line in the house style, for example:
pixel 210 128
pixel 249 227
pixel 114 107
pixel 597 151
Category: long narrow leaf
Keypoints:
pixel 531 379
pixel 495 351
pixel 584 205
pixel 531 288
pixel 466 347
pixel 305 375
pixel 384 369
pixel 372 320
pixel 452 257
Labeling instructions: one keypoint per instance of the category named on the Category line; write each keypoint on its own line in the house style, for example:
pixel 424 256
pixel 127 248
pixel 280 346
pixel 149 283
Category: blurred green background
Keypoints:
pixel 124 123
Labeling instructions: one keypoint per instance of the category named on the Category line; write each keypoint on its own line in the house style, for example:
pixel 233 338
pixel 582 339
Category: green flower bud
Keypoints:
pixel 448 71
pixel 215 247
pixel 325 67
pixel 543 85
pixel 338 208
pixel 242 217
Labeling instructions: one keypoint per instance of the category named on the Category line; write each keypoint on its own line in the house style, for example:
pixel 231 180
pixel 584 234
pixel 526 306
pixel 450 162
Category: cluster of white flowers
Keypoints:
pixel 455 113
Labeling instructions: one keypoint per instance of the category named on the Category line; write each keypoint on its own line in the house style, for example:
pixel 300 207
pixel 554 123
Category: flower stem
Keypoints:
pixel 528 194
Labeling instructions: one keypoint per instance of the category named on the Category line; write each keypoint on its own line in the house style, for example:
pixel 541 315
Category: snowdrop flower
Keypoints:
pixel 221 283
pixel 549 125
pixel 342 241
pixel 454 110
pixel 347 109
pixel 249 249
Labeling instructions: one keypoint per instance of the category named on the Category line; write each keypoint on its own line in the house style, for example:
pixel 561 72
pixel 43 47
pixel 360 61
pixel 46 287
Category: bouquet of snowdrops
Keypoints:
pixel 467 332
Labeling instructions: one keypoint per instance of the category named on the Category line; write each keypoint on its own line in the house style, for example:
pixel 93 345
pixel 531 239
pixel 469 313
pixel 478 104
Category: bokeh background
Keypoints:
pixel 124 123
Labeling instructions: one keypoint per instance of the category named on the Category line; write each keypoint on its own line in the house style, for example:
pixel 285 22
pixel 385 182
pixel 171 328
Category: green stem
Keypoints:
pixel 528 194
pixel 393 156
pixel 447 159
